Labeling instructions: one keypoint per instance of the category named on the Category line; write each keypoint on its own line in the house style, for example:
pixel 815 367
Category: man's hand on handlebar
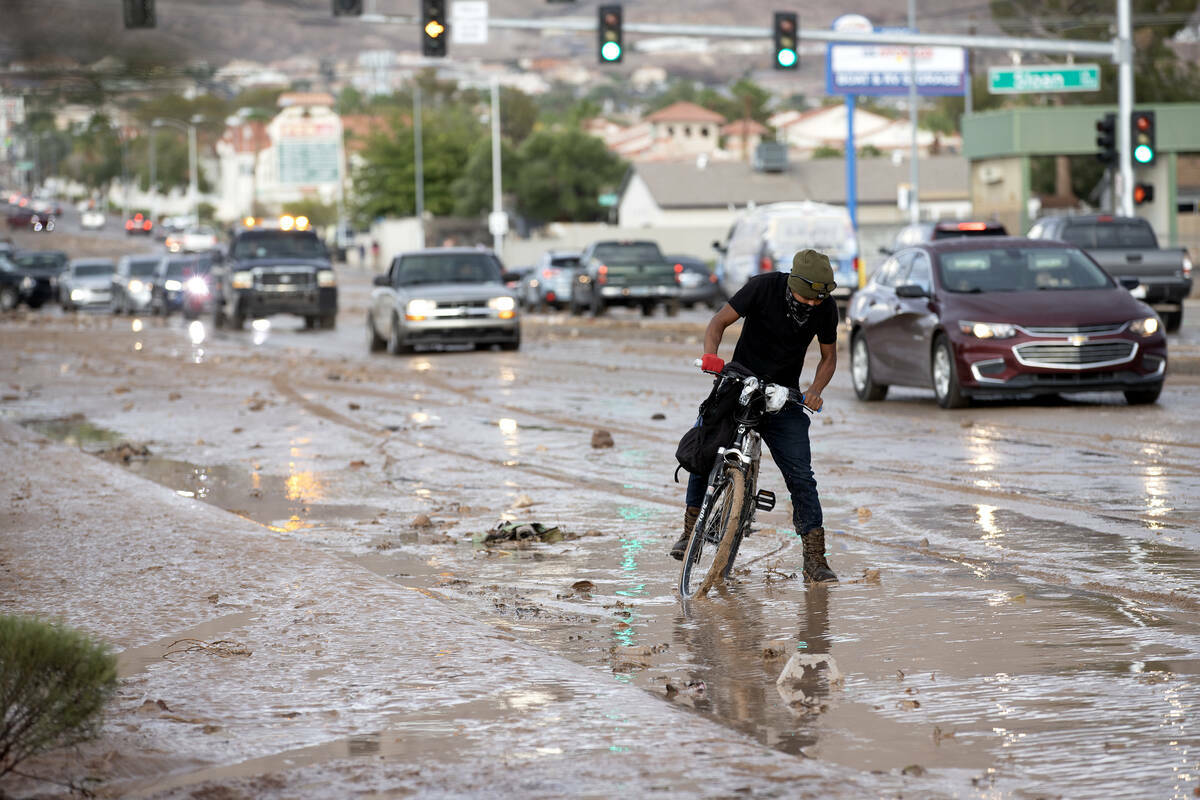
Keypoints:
pixel 711 362
pixel 813 400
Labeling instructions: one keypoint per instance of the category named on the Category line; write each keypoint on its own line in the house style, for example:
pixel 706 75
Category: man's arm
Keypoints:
pixel 825 370
pixel 725 317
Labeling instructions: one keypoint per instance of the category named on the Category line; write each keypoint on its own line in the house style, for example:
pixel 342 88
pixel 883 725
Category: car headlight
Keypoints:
pixel 136 286
pixel 197 286
pixel 27 283
pixel 988 330
pixel 1187 266
pixel 1147 326
pixel 325 277
pixel 79 294
pixel 243 280
pixel 502 304
pixel 419 309
pixel 172 285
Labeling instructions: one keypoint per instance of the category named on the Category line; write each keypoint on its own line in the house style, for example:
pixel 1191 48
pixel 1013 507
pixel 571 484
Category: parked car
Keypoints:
pixel 548 285
pixel 201 239
pixel 698 285
pixel 182 283
pixel 92 220
pixel 765 239
pixel 443 296
pixel 624 274
pixel 943 229
pixel 86 283
pixel 44 267
pixel 133 283
pixel 1002 316
pixel 14 284
pixel 1127 248
pixel 275 271
pixel 138 225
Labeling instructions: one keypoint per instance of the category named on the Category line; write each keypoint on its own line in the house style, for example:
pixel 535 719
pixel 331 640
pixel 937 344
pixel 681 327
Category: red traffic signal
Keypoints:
pixel 1143 193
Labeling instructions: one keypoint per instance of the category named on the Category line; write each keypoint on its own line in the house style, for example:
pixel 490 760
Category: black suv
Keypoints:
pixel 271 271
pixel 625 274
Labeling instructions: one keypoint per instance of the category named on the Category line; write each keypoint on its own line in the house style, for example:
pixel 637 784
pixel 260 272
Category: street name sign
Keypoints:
pixel 1034 80
pixel 469 22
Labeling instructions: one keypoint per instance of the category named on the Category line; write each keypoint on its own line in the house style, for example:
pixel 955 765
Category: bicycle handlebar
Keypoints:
pixel 794 395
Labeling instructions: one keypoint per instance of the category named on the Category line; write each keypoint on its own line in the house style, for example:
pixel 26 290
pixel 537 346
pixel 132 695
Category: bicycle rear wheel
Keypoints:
pixel 715 533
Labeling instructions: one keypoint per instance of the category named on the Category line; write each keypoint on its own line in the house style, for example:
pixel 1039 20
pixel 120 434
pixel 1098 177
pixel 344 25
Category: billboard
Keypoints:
pixel 310 151
pixel 883 69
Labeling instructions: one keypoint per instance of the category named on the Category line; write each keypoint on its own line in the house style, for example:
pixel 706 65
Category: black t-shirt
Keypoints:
pixel 771 346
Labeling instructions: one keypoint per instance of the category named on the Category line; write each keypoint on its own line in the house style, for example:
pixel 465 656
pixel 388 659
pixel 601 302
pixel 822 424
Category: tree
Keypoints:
pixel 563 173
pixel 518 114
pixel 319 214
pixel 473 189
pixel 825 151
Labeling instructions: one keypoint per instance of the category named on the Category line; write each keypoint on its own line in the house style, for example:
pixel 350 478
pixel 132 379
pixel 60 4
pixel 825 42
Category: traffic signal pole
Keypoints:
pixel 1124 59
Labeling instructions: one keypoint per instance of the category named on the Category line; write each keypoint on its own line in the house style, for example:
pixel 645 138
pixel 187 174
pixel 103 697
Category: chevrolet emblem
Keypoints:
pixel 1077 340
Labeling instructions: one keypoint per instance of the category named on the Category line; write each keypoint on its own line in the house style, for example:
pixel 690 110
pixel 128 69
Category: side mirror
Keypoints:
pixel 911 290
pixel 720 248
pixel 1130 283
pixel 885 251
pixel 510 277
pixel 380 280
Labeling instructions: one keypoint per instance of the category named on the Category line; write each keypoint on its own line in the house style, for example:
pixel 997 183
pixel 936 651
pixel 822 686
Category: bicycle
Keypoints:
pixel 725 515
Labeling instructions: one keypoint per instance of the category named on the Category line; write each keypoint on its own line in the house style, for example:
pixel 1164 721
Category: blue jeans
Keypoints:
pixel 786 435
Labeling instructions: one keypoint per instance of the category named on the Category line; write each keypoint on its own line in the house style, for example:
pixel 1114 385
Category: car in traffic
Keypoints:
pixel 1002 316
pixel 766 238
pixel 86 283
pixel 548 285
pixel 201 239
pixel 14 284
pixel 43 267
pixel 182 283
pixel 92 220
pixel 139 225
pixel 919 232
pixel 133 283
pixel 1126 247
pixel 624 273
pixel 698 285
pixel 443 296
pixel 272 270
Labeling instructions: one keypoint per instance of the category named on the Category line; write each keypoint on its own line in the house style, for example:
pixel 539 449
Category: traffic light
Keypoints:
pixel 1143 193
pixel 347 8
pixel 610 40
pixel 787 54
pixel 1106 139
pixel 1141 136
pixel 139 13
pixel 434 31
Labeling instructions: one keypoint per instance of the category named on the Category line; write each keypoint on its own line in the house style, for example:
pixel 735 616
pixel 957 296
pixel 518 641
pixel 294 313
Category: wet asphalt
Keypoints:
pixel 1019 605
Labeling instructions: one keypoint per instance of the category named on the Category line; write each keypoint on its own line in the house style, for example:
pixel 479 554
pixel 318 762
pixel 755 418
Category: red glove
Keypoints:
pixel 711 362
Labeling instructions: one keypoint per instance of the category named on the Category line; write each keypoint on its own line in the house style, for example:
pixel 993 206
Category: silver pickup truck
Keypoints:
pixel 1127 249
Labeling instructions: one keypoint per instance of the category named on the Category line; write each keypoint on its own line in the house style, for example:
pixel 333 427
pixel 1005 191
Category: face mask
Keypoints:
pixel 798 312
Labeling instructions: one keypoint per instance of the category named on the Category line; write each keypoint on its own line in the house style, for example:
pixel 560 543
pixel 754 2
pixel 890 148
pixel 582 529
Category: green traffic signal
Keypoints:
pixel 786 58
pixel 610 51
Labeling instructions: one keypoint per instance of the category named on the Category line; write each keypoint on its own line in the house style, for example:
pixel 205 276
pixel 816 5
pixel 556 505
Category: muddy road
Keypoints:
pixel 1019 606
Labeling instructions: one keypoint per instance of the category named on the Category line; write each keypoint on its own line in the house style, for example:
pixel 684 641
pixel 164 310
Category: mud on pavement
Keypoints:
pixel 1017 614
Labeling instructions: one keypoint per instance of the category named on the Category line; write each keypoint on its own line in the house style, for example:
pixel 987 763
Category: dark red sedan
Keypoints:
pixel 1002 316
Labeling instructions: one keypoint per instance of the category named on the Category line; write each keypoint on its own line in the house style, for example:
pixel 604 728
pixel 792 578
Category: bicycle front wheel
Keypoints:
pixel 715 533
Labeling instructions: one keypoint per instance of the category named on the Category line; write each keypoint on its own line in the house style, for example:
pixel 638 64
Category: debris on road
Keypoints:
pixel 601 438
pixel 523 532
pixel 124 452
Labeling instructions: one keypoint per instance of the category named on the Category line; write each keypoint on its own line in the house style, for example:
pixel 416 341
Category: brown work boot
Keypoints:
pixel 816 568
pixel 689 522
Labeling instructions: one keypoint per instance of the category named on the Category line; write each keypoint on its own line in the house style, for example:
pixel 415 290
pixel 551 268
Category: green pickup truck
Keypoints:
pixel 615 273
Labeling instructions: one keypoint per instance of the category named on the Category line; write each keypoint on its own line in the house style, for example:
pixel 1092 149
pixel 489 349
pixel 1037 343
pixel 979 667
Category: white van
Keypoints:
pixel 766 238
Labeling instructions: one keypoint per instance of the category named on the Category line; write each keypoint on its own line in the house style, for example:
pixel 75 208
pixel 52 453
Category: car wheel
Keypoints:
pixel 1172 320
pixel 672 308
pixel 513 345
pixel 860 372
pixel 574 306
pixel 945 376
pixel 238 319
pixel 1143 397
pixel 375 342
pixel 597 307
pixel 8 298
pixel 395 345
pixel 329 321
pixel 310 322
pixel 647 309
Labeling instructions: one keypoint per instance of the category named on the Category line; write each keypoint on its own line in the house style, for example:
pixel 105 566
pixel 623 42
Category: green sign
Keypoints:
pixel 1036 80
pixel 607 200
pixel 307 163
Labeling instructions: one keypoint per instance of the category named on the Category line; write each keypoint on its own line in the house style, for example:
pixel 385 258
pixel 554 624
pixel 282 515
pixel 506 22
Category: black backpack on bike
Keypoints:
pixel 697 449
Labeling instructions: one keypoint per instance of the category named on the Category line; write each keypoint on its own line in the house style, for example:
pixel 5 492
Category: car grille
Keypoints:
pixel 1070 356
pixel 1083 330
pixel 285 281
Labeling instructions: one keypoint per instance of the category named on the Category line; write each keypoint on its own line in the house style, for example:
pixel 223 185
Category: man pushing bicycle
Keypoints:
pixel 782 312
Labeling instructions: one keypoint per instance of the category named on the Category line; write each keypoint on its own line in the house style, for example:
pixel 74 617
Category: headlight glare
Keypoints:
pixel 988 330
pixel 419 309
pixel 197 286
pixel 502 304
pixel 172 285
pixel 325 277
pixel 243 280
pixel 135 285
pixel 1147 326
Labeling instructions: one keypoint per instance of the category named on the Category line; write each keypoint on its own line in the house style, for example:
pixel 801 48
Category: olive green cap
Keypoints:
pixel 812 266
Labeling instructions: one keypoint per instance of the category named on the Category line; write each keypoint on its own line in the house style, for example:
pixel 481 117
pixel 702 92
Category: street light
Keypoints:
pixel 190 128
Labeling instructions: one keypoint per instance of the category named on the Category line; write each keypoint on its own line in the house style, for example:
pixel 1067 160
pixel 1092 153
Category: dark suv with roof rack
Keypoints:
pixel 275 271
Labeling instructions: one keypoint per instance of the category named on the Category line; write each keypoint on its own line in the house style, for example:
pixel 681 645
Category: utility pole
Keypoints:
pixel 497 212
pixel 914 194
pixel 153 178
pixel 1124 59
pixel 419 160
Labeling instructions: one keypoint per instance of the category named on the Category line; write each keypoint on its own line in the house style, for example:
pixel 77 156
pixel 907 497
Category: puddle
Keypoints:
pixel 283 503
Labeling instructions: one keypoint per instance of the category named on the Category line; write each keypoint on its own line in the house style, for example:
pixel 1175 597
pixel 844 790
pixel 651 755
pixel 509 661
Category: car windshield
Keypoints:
pixel 1019 269
pixel 833 236
pixel 90 270
pixel 143 267
pixel 630 254
pixel 1114 235
pixel 564 261
pixel 278 244
pixel 447 268
pixel 41 261
pixel 179 267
